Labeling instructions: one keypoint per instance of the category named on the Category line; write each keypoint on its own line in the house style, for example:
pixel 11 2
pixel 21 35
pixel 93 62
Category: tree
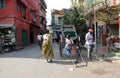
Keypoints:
pixel 76 18
pixel 107 11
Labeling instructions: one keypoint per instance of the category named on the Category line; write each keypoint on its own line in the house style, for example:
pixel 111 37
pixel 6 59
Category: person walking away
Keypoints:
pixel 47 50
pixel 58 38
pixel 39 36
pixel 89 43
pixel 1 45
pixel 68 45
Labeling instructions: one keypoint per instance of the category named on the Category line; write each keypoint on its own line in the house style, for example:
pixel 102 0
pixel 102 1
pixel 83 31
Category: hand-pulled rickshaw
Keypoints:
pixel 70 29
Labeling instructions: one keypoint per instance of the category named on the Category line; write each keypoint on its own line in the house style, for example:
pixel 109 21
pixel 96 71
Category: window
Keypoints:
pixel 31 12
pixel 59 20
pixel 53 20
pixel 24 12
pixel 34 19
pixel 18 7
pixel 2 4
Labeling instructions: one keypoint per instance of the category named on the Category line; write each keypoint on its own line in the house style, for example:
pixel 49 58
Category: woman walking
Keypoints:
pixel 47 50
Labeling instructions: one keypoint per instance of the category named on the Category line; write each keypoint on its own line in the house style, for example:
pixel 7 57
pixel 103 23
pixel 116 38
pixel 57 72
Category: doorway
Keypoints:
pixel 31 36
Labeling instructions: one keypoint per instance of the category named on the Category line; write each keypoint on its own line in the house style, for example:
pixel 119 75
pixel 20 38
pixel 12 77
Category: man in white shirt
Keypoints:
pixel 89 43
pixel 39 37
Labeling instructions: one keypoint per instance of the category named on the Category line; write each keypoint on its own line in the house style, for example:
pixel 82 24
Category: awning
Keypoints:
pixel 100 23
pixel 6 25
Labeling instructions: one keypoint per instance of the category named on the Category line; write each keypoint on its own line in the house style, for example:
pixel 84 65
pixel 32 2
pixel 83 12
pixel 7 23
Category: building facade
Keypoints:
pixel 22 20
pixel 101 12
pixel 42 13
pixel 56 21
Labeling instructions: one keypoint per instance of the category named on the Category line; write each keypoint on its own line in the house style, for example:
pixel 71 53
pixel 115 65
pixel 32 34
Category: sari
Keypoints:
pixel 47 50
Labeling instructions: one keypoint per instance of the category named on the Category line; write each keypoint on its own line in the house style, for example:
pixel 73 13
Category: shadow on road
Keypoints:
pixel 34 52
pixel 31 52
pixel 63 62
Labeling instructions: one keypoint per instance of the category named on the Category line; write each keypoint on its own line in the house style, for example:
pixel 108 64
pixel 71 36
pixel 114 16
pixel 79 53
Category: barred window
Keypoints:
pixel 2 4
pixel 18 7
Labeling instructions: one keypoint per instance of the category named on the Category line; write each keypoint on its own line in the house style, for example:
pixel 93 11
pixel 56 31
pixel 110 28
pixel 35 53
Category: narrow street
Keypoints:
pixel 28 63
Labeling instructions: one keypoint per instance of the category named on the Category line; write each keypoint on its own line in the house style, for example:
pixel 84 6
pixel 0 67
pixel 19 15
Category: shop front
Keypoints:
pixel 7 37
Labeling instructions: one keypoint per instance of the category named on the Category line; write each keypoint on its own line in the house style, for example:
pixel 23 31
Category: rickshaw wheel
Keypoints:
pixel 60 49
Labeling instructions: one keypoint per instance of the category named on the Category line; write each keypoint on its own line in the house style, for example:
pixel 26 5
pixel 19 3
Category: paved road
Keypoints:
pixel 28 63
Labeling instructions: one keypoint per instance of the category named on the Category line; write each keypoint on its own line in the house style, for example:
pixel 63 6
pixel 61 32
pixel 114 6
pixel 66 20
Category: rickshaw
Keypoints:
pixel 70 29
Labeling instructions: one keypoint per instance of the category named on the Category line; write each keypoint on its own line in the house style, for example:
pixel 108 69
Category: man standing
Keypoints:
pixel 89 42
pixel 58 38
pixel 1 45
pixel 39 37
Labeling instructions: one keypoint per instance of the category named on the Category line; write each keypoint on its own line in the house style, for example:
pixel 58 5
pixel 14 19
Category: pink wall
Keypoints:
pixel 10 14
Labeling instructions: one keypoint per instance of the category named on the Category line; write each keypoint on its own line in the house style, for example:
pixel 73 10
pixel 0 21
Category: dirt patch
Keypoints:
pixel 100 71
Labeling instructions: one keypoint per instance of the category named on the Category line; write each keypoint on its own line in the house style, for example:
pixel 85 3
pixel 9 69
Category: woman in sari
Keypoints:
pixel 47 50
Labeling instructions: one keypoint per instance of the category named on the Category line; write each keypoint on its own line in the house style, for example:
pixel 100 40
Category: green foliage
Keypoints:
pixel 67 19
pixel 76 18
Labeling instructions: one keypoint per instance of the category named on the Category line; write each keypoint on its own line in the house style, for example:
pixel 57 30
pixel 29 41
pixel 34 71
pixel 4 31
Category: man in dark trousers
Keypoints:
pixel 58 37
pixel 39 37
pixel 89 42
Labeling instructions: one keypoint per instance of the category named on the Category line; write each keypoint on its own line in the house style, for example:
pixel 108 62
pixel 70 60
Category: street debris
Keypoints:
pixel 71 69
pixel 116 60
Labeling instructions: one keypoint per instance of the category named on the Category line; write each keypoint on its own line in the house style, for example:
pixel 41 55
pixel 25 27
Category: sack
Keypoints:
pixel 73 49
